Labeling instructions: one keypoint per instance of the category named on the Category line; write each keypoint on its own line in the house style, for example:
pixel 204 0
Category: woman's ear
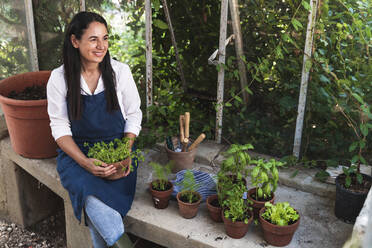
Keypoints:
pixel 74 41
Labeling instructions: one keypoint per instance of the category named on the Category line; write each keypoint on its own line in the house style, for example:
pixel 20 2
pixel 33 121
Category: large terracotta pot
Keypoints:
pixel 27 120
pixel 277 235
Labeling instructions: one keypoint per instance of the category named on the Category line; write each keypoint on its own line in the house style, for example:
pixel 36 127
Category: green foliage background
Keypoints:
pixel 339 94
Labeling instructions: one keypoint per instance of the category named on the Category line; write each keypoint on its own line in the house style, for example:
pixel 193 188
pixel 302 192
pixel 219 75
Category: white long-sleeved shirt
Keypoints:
pixel 127 93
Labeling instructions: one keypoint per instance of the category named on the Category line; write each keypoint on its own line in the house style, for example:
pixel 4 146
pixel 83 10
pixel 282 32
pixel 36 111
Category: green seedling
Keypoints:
pixel 281 214
pixel 188 187
pixel 161 173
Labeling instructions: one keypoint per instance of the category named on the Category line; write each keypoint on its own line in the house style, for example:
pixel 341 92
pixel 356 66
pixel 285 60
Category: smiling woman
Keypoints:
pixel 92 98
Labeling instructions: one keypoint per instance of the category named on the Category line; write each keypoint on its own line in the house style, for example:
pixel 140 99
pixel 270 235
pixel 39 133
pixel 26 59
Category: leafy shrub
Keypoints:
pixel 235 207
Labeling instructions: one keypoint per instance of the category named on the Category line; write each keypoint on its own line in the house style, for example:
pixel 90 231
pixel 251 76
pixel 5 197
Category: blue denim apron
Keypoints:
pixel 96 124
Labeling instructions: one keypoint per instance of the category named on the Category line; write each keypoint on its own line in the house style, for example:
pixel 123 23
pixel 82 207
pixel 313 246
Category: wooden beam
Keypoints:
pixel 305 77
pixel 221 71
pixel 31 35
pixel 148 57
pixel 234 12
pixel 82 5
pixel 174 43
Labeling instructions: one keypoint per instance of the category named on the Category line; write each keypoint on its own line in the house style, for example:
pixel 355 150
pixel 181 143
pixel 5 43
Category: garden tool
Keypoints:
pixel 197 141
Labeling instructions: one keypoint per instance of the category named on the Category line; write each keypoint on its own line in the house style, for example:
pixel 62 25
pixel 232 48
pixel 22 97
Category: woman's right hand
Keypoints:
pixel 103 170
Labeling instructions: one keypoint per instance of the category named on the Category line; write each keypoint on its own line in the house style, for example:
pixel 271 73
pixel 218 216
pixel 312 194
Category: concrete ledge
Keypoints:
pixel 27 203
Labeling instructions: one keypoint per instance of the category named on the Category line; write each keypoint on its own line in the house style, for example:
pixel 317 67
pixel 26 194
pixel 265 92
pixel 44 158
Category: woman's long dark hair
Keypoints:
pixel 72 66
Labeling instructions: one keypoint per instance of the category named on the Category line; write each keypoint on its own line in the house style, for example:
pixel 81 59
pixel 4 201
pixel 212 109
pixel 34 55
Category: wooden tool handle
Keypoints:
pixel 187 124
pixel 182 134
pixel 185 142
pixel 197 141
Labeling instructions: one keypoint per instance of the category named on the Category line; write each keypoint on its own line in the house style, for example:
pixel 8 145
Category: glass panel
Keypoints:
pixel 51 18
pixel 14 45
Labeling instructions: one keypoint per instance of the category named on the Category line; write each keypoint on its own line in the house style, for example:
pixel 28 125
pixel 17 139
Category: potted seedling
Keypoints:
pixel 279 222
pixel 117 153
pixel 237 214
pixel 161 188
pixel 264 177
pixel 188 198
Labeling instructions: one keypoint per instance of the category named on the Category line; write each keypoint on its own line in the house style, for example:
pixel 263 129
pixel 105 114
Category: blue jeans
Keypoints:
pixel 105 224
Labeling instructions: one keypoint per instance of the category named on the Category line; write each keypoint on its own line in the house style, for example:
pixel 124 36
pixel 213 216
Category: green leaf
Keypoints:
pixel 353 146
pixel 322 175
pixel 359 178
pixel 296 24
pixel 306 5
pixel 160 24
pixel 364 129
pixel 356 96
pixel 347 182
pixel 228 104
pixel 294 173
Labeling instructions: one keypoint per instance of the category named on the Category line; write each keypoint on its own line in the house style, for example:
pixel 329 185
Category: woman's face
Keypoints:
pixel 93 44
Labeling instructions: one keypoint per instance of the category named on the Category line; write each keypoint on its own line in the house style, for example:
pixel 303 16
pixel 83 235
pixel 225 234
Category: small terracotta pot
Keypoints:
pixel 214 212
pixel 237 229
pixel 161 198
pixel 257 205
pixel 27 120
pixel 277 235
pixel 182 160
pixel 188 210
pixel 123 169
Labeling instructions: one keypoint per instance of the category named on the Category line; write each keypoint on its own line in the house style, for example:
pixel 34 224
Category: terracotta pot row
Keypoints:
pixel 273 234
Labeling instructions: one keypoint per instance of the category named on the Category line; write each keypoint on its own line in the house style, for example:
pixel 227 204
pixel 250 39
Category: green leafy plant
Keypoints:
pixel 281 214
pixel 114 151
pixel 265 176
pixel 161 172
pixel 235 207
pixel 234 169
pixel 188 187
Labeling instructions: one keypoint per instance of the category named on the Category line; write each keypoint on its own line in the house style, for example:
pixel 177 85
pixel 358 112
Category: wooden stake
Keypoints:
pixel 184 144
pixel 197 141
pixel 187 124
pixel 182 134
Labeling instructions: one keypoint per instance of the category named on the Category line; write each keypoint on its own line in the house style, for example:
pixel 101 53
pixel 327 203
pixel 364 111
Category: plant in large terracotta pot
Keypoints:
pixel 237 214
pixel 188 198
pixel 27 120
pixel 353 186
pixel 279 222
pixel 117 153
pixel 264 177
pixel 161 188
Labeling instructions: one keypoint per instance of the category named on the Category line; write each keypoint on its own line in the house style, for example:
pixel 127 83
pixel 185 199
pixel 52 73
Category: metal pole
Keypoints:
pixel 234 12
pixel 173 38
pixel 31 35
pixel 82 5
pixel 305 77
pixel 221 71
pixel 148 57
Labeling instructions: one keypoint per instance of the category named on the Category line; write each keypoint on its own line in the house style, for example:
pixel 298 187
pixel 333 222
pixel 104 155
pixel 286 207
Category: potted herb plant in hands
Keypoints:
pixel 279 222
pixel 237 214
pixel 117 153
pixel 264 177
pixel 353 186
pixel 161 188
pixel 188 198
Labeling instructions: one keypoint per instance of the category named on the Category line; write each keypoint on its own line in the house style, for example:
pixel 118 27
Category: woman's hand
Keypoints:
pixel 99 168
pixel 123 169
